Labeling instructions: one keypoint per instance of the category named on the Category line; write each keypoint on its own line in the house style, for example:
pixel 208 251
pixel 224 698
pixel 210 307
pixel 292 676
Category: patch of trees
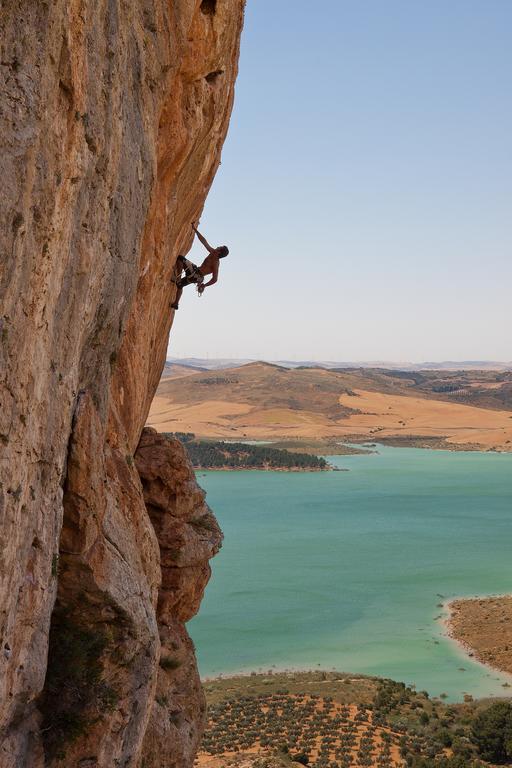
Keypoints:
pixel 385 725
pixel 218 380
pixel 491 732
pixel 215 455
pixel 417 378
pixel 307 729
pixel 183 437
pixel 456 761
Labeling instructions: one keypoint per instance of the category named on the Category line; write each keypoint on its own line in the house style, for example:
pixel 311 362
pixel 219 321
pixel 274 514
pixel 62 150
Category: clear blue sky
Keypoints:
pixel 365 190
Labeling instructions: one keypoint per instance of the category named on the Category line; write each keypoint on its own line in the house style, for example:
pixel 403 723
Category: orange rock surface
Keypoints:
pixel 112 123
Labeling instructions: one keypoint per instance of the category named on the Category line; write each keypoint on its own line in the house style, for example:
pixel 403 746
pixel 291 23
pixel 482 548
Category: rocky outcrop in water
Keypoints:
pixel 112 123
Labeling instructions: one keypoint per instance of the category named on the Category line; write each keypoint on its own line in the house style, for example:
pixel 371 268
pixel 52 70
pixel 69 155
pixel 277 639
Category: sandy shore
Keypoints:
pixel 483 627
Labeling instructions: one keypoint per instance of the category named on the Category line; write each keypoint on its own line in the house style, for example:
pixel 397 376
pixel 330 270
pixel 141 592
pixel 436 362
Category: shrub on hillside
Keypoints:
pixel 492 733
pixel 457 761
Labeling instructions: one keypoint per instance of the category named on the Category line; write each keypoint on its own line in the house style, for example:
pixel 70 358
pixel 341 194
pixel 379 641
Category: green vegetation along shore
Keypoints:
pixel 337 720
pixel 226 455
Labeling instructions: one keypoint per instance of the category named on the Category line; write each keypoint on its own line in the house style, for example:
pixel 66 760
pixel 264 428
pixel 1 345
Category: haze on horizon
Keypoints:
pixel 366 188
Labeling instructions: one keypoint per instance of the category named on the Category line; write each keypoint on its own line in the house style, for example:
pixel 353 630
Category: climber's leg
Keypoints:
pixel 192 277
pixel 175 304
pixel 181 265
pixel 180 285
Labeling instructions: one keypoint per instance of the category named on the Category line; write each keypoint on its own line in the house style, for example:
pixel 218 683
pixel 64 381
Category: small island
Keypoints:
pixel 205 454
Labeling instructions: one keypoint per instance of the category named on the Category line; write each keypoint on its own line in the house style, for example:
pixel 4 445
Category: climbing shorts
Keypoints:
pixel 192 273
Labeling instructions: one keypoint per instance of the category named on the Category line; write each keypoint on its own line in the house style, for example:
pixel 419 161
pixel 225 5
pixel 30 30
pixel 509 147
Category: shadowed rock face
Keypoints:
pixel 188 535
pixel 112 123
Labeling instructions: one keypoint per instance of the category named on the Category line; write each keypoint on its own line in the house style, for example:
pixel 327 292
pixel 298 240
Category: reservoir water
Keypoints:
pixel 348 570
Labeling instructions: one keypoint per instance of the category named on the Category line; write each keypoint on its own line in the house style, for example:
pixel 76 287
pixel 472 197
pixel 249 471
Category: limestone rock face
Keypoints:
pixel 112 123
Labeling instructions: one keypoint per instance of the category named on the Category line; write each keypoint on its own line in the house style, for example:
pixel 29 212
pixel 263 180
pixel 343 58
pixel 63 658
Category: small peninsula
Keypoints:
pixel 483 626
pixel 223 455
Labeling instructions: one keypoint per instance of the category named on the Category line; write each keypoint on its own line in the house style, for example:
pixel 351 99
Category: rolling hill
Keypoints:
pixel 263 401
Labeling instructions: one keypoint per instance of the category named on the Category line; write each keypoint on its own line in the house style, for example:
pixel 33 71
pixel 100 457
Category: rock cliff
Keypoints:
pixel 112 122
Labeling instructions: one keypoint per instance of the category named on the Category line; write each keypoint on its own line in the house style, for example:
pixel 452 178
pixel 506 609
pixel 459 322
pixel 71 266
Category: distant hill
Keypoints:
pixel 205 363
pixel 447 365
pixel 176 370
pixel 266 401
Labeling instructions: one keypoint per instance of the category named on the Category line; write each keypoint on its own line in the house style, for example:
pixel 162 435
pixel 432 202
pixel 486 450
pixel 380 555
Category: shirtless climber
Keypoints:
pixel 194 274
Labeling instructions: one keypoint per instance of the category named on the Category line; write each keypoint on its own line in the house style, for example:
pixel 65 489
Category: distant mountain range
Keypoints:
pixel 199 363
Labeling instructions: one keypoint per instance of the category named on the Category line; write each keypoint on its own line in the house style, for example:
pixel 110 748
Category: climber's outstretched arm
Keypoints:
pixel 202 239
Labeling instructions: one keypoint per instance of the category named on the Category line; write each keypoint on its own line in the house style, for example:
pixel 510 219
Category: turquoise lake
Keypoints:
pixel 346 570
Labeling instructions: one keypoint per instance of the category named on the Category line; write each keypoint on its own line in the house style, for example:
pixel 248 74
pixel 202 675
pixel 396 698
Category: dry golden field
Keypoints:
pixel 260 401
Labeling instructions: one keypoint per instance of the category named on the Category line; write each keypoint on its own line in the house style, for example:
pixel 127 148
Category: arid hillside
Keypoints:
pixel 263 401
pixel 334 720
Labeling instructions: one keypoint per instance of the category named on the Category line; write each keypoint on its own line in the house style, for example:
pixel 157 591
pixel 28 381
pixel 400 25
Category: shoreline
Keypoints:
pixel 289 672
pixel 365 445
pixel 267 469
pixel 457 626
pixel 463 647
pixel 323 675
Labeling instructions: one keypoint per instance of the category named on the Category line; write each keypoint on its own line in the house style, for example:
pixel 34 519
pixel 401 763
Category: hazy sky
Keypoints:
pixel 365 190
